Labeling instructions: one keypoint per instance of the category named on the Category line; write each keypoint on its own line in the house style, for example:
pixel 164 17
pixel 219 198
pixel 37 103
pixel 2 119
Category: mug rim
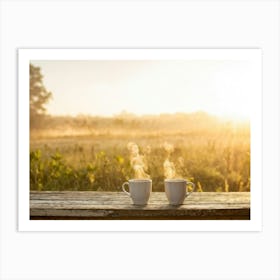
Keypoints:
pixel 140 180
pixel 175 180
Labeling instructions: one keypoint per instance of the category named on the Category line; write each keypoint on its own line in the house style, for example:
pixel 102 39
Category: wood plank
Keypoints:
pixel 160 196
pixel 117 205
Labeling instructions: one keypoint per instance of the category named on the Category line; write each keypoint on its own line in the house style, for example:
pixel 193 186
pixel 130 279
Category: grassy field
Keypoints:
pixel 94 153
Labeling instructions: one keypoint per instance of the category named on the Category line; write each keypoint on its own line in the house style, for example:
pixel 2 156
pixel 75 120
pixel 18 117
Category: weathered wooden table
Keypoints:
pixel 90 205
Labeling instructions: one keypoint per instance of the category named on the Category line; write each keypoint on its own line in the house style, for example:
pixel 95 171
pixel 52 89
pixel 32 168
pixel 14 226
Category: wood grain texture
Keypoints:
pixel 114 205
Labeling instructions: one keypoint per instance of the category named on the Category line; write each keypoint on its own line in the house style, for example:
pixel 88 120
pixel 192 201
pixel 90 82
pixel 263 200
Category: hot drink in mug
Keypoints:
pixel 176 190
pixel 139 190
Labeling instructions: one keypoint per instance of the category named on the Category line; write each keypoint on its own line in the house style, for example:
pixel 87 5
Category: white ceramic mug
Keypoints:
pixel 176 190
pixel 139 190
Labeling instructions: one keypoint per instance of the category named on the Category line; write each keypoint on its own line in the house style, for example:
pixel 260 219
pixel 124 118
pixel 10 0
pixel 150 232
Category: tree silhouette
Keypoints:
pixel 39 96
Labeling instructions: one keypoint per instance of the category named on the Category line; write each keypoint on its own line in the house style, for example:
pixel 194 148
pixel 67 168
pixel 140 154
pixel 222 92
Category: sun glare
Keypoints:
pixel 221 88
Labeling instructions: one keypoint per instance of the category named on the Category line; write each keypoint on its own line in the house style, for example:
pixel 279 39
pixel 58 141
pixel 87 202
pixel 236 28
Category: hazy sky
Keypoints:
pixel 149 87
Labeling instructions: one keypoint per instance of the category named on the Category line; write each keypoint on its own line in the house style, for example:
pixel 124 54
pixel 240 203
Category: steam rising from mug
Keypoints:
pixel 168 165
pixel 137 162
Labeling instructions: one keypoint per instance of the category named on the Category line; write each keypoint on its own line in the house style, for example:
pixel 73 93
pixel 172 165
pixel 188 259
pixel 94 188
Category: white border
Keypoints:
pixel 24 57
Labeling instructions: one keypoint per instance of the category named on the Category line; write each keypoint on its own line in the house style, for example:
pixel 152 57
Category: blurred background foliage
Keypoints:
pixel 90 152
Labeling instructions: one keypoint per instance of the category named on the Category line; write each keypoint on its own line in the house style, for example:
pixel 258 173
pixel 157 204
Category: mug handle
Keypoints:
pixel 123 188
pixel 194 187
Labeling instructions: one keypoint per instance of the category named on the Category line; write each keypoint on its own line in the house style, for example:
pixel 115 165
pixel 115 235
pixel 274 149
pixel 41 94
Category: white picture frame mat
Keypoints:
pixel 254 56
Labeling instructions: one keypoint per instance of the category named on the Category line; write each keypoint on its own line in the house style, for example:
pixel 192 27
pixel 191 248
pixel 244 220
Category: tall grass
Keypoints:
pixel 213 154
